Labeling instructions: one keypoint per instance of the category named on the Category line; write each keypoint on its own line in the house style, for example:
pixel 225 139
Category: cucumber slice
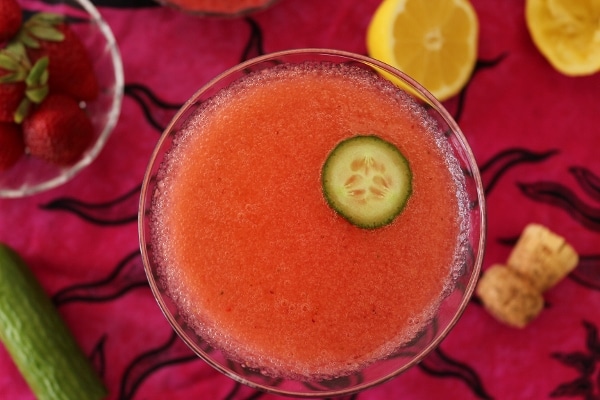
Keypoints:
pixel 367 181
pixel 38 340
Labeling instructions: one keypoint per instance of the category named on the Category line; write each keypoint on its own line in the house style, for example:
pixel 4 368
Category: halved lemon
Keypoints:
pixel 567 33
pixel 432 41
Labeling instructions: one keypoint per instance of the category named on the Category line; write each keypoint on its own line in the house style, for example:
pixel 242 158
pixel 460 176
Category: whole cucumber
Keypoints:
pixel 38 340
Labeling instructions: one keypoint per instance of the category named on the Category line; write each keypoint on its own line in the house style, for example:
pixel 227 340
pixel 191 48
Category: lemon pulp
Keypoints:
pixel 567 33
pixel 432 41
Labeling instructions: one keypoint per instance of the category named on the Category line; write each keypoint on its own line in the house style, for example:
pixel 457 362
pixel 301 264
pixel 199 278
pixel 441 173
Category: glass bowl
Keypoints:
pixel 218 8
pixel 449 308
pixel 31 175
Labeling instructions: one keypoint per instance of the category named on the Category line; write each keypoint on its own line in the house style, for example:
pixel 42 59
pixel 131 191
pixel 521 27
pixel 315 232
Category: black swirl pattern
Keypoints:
pixel 561 196
pixel 235 393
pixel 172 352
pixel 98 356
pixel 439 364
pixel 158 113
pixel 586 364
pixel 118 211
pixel 588 181
pixel 493 169
pixel 126 276
pixel 254 45
pixel 586 273
pixel 480 65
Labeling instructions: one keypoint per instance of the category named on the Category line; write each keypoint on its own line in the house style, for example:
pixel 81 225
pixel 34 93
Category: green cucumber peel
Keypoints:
pixel 367 181
pixel 38 340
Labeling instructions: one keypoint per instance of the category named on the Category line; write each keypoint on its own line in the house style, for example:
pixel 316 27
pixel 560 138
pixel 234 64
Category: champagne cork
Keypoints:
pixel 509 297
pixel 543 257
pixel 513 293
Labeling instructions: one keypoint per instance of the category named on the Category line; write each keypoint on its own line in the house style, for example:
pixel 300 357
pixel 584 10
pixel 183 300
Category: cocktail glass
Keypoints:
pixel 454 301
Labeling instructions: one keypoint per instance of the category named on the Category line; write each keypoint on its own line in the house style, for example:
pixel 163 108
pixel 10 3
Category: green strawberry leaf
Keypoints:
pixel 15 50
pixel 34 78
pixel 13 58
pixel 17 76
pixel 25 38
pixel 7 62
pixel 47 18
pixel 37 94
pixel 46 32
pixel 44 77
pixel 41 26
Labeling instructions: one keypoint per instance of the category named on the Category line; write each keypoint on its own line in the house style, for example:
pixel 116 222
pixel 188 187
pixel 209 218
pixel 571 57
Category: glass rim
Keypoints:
pixel 479 233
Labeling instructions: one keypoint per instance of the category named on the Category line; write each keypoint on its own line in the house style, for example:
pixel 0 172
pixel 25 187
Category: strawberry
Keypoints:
pixel 10 19
pixel 58 130
pixel 70 69
pixel 11 145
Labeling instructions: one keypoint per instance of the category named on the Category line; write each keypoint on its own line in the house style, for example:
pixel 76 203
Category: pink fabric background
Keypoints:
pixel 514 103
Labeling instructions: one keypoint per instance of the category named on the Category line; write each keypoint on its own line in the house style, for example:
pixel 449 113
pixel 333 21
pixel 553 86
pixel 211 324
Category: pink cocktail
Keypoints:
pixel 253 267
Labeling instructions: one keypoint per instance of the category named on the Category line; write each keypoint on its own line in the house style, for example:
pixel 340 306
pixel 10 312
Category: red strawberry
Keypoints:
pixel 11 145
pixel 70 69
pixel 10 19
pixel 58 130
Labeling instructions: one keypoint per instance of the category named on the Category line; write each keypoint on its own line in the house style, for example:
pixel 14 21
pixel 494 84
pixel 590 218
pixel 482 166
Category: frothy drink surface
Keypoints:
pixel 260 265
